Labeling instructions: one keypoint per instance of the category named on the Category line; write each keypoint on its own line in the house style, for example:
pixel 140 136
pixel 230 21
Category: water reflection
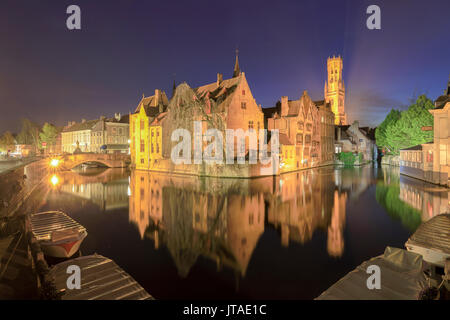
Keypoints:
pixel 105 188
pixel 310 227
pixel 410 200
pixel 223 219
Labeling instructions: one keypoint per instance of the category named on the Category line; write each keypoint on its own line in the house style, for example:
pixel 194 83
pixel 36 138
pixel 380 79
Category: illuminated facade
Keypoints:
pixel 146 130
pixel 108 135
pixel 431 161
pixel 306 132
pixel 223 104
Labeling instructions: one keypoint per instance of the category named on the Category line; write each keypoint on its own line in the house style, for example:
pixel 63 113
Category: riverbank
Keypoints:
pixel 11 164
pixel 22 190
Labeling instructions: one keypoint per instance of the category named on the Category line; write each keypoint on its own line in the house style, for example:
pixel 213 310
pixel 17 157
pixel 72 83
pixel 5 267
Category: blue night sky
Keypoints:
pixel 130 47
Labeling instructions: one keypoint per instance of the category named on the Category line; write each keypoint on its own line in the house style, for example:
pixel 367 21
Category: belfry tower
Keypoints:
pixel 334 91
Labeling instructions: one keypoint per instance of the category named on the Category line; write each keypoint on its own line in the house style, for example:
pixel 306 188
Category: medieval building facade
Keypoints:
pixel 223 104
pixel 334 90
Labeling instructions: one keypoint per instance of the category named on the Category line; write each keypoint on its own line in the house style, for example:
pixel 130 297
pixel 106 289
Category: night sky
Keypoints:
pixel 130 47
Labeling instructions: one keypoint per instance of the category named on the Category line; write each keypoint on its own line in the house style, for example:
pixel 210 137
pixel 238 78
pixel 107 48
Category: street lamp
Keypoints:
pixel 54 163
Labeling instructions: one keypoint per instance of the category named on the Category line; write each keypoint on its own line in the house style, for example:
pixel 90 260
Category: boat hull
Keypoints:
pixel 64 249
pixel 434 257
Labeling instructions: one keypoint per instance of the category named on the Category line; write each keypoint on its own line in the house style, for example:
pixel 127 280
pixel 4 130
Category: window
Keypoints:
pixel 142 125
pixel 308 126
pixel 157 148
pixel 299 138
pixel 250 125
pixel 157 133
pixel 243 105
pixel 152 133
pixel 153 148
pixel 430 156
pixel 243 92
pixel 442 154
pixel 142 161
pixel 142 146
pixel 308 139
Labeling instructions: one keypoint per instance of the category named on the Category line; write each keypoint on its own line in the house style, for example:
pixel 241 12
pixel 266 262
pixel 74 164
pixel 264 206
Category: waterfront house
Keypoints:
pixel 111 135
pixel 146 129
pixel 352 139
pixel 431 161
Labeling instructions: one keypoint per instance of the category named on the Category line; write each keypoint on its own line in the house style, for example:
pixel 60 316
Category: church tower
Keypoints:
pixel 334 91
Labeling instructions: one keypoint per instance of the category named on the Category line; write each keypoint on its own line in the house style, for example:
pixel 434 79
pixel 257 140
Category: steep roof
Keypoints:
pixel 284 139
pixel 151 103
pixel 80 126
pixel 220 92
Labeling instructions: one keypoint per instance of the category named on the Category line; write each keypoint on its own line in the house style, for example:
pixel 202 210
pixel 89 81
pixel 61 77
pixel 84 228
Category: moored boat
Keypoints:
pixel 101 279
pixel 58 234
pixel 432 240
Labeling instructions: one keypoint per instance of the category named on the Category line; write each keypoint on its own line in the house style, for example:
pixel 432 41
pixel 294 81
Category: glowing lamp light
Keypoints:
pixel 54 180
pixel 54 163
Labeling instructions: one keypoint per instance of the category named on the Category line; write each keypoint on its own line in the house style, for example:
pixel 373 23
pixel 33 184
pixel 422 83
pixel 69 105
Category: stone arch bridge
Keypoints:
pixel 115 160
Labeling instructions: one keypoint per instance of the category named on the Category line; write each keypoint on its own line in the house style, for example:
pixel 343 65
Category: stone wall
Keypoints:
pixel 17 184
pixel 391 160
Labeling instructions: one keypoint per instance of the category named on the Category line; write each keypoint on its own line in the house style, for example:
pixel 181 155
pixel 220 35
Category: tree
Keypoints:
pixel 404 129
pixel 380 132
pixel 29 134
pixel 48 134
pixel 7 141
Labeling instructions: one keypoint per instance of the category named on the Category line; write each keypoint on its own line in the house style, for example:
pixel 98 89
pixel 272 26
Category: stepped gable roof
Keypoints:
pixel 151 103
pixel 80 126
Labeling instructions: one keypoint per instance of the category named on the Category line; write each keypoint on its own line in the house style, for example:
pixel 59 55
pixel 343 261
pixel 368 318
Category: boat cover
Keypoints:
pixel 433 234
pixel 44 224
pixel 101 279
pixel 402 278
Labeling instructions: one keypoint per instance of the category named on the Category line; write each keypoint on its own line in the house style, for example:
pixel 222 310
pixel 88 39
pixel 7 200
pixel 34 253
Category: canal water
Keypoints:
pixel 289 237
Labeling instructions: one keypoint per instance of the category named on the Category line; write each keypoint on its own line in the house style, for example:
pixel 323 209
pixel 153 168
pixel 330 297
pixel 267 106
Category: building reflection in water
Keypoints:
pixel 105 188
pixel 223 219
pixel 428 199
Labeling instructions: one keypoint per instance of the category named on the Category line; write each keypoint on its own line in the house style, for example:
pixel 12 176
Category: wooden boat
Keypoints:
pixel 432 240
pixel 58 234
pixel 100 279
pixel 402 278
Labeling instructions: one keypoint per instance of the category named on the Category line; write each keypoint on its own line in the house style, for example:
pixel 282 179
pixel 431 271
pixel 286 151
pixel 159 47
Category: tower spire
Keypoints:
pixel 236 71
pixel 174 85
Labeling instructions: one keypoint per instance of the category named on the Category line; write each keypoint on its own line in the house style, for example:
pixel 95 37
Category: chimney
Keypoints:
pixel 284 106
pixel 219 79
pixel 157 94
